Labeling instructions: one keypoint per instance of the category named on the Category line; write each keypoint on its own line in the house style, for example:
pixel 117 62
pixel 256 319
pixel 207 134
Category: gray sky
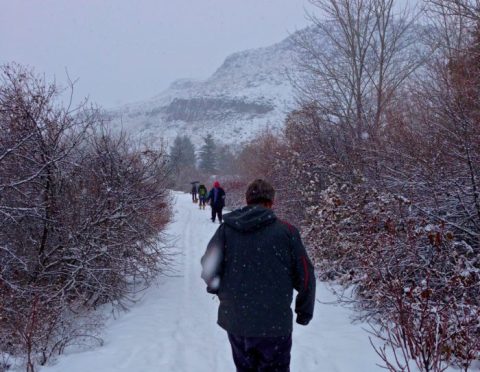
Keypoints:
pixel 129 50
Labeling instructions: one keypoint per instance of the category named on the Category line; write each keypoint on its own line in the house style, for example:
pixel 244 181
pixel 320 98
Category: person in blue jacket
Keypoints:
pixel 216 197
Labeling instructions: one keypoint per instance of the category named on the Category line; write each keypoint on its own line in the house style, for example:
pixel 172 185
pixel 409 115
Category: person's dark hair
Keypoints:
pixel 260 192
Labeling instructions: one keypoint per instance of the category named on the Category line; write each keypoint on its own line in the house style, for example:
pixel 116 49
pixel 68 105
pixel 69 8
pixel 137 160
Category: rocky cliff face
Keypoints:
pixel 248 92
pixel 211 108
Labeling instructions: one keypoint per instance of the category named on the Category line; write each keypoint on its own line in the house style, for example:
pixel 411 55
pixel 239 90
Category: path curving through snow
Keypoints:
pixel 173 327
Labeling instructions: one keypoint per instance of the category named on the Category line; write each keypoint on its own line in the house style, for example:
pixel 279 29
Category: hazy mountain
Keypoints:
pixel 248 92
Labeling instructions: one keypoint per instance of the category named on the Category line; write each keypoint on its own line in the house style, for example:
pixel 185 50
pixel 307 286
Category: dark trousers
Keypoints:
pixel 261 354
pixel 217 211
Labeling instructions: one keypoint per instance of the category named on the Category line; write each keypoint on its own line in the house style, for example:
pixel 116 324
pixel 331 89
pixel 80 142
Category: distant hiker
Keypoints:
pixel 194 193
pixel 216 197
pixel 202 196
pixel 253 262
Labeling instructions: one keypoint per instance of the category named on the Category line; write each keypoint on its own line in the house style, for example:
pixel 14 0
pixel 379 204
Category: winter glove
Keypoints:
pixel 303 319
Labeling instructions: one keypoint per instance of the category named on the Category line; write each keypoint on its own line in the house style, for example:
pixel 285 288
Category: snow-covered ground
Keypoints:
pixel 173 327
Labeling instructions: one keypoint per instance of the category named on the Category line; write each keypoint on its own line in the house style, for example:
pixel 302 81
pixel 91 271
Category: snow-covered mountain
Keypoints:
pixel 248 92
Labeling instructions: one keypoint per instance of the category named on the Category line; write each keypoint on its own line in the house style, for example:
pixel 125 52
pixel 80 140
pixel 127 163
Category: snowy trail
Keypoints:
pixel 173 327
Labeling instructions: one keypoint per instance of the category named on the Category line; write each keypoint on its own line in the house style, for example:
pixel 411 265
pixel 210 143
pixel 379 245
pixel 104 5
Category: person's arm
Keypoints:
pixel 212 261
pixel 222 198
pixel 304 281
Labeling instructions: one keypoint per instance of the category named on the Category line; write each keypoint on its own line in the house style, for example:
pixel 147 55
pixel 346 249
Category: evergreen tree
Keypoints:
pixel 182 153
pixel 208 161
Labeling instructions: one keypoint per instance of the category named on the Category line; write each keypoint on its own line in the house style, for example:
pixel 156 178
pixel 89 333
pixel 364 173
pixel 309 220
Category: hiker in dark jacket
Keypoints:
pixel 194 192
pixel 253 262
pixel 216 196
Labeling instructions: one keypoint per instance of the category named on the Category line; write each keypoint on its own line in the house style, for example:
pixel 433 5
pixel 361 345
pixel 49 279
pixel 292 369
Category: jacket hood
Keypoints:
pixel 250 218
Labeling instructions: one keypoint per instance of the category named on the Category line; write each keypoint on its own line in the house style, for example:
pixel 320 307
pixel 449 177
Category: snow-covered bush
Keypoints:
pixel 390 201
pixel 81 217
pixel 258 159
pixel 235 189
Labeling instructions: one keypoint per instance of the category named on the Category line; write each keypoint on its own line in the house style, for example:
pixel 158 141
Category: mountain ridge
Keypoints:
pixel 247 92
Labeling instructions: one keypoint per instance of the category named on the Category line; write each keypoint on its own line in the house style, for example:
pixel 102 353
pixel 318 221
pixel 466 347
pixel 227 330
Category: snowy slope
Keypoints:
pixel 249 91
pixel 173 327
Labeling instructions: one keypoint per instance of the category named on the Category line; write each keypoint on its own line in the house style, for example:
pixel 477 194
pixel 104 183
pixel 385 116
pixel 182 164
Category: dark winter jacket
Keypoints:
pixel 253 263
pixel 217 201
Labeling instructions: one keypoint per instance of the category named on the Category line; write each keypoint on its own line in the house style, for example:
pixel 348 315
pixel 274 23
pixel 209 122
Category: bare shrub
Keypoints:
pixel 388 177
pixel 81 218
pixel 258 159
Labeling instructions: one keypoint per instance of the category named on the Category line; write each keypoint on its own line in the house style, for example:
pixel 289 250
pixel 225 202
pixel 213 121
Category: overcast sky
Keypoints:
pixel 129 50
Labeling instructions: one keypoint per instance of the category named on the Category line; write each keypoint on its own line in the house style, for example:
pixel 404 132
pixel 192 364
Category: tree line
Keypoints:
pixel 189 163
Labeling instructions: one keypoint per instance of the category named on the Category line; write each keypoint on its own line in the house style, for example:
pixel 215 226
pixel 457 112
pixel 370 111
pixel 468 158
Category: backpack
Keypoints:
pixel 202 190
